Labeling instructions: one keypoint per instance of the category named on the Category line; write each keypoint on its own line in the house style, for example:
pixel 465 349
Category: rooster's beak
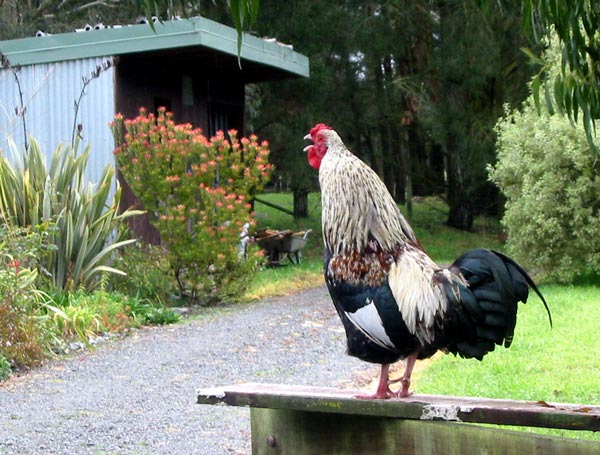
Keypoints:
pixel 307 148
pixel 307 137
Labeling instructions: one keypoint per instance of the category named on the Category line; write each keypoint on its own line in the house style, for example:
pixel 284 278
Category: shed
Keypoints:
pixel 190 66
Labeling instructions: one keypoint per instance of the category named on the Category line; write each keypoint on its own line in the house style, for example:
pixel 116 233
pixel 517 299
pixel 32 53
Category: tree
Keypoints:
pixel 401 101
pixel 20 19
pixel 465 93
pixel 552 185
pixel 575 89
pixel 355 86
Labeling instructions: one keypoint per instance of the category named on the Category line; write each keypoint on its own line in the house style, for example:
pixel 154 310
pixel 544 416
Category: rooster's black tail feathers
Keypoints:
pixel 484 313
pixel 528 279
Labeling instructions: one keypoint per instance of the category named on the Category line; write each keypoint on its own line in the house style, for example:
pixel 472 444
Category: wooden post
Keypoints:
pixel 291 420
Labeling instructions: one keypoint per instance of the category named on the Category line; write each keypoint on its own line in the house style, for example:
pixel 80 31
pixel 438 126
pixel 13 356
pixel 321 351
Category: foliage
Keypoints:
pixel 20 19
pixel 547 172
pixel 465 97
pixel 576 23
pixel 574 89
pixel 146 312
pixel 81 215
pixel 550 179
pixel 406 89
pixel 197 191
pixel 22 336
pixel 33 324
pixel 148 273
pixel 83 314
pixel 5 369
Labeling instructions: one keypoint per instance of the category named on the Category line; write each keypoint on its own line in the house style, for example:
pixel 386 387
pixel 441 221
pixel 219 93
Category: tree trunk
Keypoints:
pixel 406 172
pixel 461 216
pixel 300 203
pixel 461 213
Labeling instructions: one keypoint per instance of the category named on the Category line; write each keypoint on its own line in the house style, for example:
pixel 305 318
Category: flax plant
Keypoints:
pixel 81 217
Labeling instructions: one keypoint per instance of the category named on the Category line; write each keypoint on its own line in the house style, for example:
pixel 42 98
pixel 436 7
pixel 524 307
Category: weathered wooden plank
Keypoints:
pixel 286 432
pixel 415 407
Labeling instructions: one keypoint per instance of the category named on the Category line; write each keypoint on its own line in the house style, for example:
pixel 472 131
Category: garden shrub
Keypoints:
pixel 148 273
pixel 83 215
pixel 5 369
pixel 198 193
pixel 22 334
pixel 549 176
pixel 84 314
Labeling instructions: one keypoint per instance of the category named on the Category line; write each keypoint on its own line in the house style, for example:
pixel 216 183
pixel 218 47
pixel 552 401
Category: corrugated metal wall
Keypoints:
pixel 49 94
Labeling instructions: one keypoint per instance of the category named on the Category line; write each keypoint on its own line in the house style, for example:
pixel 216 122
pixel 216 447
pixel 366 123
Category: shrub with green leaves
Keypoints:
pixel 197 191
pixel 80 216
pixel 5 369
pixel 149 275
pixel 86 314
pixel 22 334
pixel 551 181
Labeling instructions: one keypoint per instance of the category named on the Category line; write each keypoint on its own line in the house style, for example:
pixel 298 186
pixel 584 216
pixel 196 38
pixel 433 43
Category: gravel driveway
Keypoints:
pixel 137 395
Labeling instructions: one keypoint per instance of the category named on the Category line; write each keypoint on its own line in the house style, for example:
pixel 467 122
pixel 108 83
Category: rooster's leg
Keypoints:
pixel 383 389
pixel 405 380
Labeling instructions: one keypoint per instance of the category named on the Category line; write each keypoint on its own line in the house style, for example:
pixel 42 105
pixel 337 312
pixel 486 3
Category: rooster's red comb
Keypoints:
pixel 318 127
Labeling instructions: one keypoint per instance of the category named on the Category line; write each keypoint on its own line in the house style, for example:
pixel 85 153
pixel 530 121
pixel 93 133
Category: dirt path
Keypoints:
pixel 137 395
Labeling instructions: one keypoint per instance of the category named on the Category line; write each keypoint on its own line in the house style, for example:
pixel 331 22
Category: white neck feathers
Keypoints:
pixel 356 204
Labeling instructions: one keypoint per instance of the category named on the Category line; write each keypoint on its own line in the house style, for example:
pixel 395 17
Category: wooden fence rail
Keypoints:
pixel 296 420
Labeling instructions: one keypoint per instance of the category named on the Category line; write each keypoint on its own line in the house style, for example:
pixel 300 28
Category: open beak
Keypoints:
pixel 308 138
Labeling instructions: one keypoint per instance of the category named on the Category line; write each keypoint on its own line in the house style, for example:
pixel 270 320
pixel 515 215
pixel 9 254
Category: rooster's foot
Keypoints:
pixel 404 391
pixel 379 395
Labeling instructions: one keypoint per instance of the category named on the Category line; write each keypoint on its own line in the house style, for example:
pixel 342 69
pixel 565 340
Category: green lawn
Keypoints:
pixel 558 364
pixel 561 364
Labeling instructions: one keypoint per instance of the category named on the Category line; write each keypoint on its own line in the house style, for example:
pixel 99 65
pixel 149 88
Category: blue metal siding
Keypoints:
pixel 49 93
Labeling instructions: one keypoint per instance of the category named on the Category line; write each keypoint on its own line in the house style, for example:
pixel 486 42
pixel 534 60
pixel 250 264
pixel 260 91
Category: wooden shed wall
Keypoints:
pixel 151 82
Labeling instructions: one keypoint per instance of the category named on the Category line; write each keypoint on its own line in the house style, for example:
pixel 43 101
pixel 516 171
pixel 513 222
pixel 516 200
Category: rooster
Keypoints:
pixel 394 301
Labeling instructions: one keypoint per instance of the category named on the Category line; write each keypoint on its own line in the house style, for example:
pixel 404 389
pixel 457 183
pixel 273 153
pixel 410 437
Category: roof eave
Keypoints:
pixel 196 31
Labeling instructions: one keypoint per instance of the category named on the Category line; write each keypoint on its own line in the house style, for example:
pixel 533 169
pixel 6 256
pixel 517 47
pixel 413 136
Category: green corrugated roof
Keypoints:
pixel 196 31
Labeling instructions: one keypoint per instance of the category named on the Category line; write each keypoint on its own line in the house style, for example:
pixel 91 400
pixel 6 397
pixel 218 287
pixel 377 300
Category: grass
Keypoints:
pixel 555 365
pixel 286 279
pixel 444 244
pixel 83 314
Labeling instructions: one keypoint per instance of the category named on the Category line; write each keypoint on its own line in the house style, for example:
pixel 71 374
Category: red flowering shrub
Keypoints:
pixel 197 191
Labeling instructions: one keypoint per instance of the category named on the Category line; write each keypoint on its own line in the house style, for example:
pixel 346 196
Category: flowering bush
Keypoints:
pixel 197 192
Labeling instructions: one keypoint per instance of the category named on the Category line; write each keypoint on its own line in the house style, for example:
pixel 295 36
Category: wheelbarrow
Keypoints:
pixel 282 245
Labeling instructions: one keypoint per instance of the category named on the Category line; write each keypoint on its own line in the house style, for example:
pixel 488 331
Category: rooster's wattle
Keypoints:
pixel 394 301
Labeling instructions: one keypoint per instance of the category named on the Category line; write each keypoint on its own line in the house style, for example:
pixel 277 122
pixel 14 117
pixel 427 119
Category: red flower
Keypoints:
pixel 14 263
